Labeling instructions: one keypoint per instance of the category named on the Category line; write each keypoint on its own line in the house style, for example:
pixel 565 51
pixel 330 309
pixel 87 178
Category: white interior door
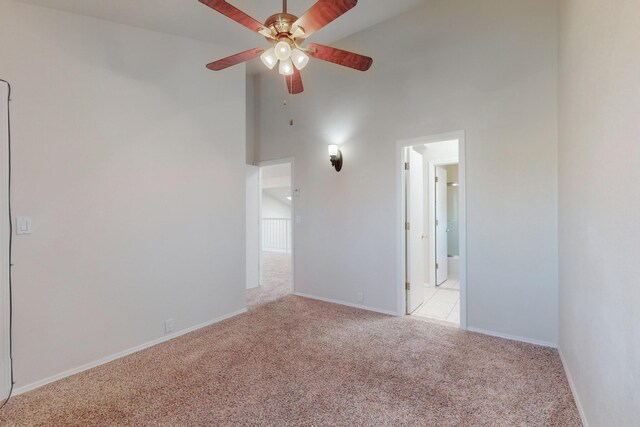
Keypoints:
pixel 442 250
pixel 253 227
pixel 415 233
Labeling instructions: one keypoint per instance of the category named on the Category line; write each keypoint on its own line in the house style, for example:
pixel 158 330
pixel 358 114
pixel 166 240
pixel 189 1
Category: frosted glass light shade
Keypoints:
pixel 299 58
pixel 269 58
pixel 286 67
pixel 283 50
pixel 333 150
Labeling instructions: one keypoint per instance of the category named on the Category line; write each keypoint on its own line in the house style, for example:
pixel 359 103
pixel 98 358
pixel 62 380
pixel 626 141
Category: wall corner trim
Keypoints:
pixel 347 304
pixel 111 358
pixel 574 391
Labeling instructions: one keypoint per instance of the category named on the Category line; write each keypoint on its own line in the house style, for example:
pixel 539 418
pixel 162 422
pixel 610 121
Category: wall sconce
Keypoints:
pixel 336 157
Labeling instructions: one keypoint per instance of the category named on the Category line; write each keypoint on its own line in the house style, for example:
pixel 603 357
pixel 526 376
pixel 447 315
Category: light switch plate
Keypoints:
pixel 23 225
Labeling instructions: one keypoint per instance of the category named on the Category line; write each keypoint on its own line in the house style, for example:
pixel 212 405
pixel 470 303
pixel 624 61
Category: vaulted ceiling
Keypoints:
pixel 192 19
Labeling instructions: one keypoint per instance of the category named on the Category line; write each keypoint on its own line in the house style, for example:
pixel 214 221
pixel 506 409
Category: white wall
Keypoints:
pixel 250 119
pixel 274 208
pixel 599 222
pixel 253 227
pixel 129 156
pixel 487 67
pixel 452 173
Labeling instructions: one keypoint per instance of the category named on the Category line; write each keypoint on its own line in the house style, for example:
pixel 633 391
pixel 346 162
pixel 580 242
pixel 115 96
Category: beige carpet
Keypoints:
pixel 299 362
pixel 276 279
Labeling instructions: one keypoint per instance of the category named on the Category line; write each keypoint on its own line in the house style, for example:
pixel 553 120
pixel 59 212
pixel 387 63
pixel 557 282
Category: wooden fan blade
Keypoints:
pixel 321 14
pixel 237 15
pixel 340 57
pixel 238 58
pixel 294 82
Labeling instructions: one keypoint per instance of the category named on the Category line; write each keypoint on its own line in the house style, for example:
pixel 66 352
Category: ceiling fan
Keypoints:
pixel 286 33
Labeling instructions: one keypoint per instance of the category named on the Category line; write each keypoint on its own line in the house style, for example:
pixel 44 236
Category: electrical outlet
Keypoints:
pixel 168 326
pixel 23 225
pixel 360 297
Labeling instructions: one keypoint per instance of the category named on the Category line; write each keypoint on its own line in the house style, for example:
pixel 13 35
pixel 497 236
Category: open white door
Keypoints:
pixel 442 249
pixel 253 227
pixel 415 231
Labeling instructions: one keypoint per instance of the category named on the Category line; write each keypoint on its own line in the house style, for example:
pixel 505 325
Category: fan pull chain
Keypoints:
pixel 291 101
pixel 289 104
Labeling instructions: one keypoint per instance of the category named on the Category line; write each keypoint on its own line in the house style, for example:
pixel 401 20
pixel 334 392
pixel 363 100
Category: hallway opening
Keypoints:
pixel 273 234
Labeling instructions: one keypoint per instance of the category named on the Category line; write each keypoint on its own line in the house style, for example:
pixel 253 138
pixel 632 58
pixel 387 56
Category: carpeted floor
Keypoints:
pixel 300 362
pixel 276 279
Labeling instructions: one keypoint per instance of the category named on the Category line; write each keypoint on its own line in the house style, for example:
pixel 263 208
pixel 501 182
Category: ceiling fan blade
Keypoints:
pixel 294 82
pixel 238 58
pixel 340 57
pixel 237 15
pixel 321 14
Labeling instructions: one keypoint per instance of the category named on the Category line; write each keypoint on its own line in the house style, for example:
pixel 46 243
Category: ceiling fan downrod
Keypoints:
pixel 284 6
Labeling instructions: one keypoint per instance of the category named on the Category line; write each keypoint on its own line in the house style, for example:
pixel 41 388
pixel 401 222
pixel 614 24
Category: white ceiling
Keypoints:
pixel 192 19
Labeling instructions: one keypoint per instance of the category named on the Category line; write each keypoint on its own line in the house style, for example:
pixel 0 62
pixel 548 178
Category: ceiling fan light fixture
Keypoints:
pixel 269 58
pixel 283 50
pixel 285 32
pixel 299 58
pixel 286 67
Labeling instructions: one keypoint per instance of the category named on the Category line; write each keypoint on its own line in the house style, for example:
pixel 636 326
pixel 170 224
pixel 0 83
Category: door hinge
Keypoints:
pixel 437 179
pixel 407 166
pixel 437 222
pixel 407 226
pixel 437 266
pixel 407 286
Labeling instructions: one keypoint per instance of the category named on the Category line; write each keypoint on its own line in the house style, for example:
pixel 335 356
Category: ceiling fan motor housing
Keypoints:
pixel 281 24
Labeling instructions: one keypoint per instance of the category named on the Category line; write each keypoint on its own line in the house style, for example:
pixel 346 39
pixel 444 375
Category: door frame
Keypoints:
pixel 5 242
pixel 291 161
pixel 401 215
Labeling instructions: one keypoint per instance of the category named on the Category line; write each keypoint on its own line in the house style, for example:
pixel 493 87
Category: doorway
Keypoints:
pixel 433 261
pixel 271 205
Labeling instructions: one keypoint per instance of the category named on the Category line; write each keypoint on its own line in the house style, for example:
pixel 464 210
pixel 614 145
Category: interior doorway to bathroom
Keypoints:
pixel 433 200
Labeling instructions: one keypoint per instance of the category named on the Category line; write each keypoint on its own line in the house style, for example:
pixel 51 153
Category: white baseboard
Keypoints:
pixel 348 304
pixel 574 391
pixel 107 359
pixel 513 337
